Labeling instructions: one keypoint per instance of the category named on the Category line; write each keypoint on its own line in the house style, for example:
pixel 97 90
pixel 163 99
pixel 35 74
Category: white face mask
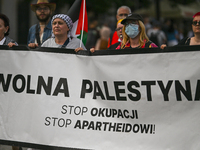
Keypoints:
pixel 132 30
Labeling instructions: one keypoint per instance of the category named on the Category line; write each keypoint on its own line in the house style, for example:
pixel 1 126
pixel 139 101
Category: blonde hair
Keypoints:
pixel 142 33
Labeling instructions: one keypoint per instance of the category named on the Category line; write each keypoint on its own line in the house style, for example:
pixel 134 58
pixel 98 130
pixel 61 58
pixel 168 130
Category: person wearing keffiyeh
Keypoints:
pixel 61 36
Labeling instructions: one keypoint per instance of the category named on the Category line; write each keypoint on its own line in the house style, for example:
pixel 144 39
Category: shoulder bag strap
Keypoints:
pixel 187 40
pixel 65 44
pixel 37 34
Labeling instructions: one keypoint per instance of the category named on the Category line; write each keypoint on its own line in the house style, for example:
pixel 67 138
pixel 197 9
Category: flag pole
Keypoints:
pixel 83 21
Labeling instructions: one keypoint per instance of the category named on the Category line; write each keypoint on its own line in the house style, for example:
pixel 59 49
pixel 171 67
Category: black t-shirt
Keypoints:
pixel 185 41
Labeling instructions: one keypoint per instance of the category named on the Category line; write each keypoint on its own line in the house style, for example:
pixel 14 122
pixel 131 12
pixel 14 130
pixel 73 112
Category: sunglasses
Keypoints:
pixel 195 22
pixel 123 15
pixel 132 22
pixel 44 9
pixel 118 29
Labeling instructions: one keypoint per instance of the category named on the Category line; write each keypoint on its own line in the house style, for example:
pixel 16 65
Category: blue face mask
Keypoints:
pixel 132 30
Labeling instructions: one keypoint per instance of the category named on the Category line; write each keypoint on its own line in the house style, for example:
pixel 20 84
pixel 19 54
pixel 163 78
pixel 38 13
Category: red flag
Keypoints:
pixel 78 14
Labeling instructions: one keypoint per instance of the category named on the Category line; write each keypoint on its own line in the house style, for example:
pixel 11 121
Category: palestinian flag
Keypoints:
pixel 78 14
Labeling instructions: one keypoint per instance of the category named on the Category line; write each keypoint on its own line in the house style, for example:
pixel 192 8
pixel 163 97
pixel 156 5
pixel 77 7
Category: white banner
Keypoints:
pixel 133 101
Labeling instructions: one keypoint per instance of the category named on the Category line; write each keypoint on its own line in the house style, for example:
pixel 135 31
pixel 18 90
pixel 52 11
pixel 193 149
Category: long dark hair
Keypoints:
pixel 6 23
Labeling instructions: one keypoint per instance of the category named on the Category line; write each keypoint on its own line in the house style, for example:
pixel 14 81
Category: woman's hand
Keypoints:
pixel 163 46
pixel 11 44
pixel 78 49
pixel 92 50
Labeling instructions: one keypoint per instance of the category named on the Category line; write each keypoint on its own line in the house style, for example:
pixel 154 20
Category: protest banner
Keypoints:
pixel 117 99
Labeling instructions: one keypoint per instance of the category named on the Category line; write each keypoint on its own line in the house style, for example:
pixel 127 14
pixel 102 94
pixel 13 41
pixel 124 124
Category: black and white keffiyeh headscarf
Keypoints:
pixel 64 17
pixel 67 20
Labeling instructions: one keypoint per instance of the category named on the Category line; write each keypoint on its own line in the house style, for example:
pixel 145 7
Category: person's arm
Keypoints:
pixel 30 32
pixel 97 46
pixel 30 42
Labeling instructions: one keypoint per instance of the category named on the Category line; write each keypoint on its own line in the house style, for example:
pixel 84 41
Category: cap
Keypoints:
pixel 132 16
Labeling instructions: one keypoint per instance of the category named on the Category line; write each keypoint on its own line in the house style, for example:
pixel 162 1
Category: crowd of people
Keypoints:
pixel 160 33
pixel 132 31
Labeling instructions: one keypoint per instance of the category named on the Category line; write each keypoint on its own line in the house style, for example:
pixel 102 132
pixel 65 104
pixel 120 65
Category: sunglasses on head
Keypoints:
pixel 195 22
pixel 123 15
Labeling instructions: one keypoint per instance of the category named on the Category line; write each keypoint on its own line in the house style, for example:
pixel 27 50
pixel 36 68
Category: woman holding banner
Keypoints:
pixel 4 32
pixel 196 30
pixel 134 35
pixel 61 27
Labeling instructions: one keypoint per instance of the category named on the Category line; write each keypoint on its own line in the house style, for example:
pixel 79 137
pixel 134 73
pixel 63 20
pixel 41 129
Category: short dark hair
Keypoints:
pixel 6 23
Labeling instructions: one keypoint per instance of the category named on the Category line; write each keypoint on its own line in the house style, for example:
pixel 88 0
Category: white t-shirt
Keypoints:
pixel 73 44
pixel 2 41
pixel 41 37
